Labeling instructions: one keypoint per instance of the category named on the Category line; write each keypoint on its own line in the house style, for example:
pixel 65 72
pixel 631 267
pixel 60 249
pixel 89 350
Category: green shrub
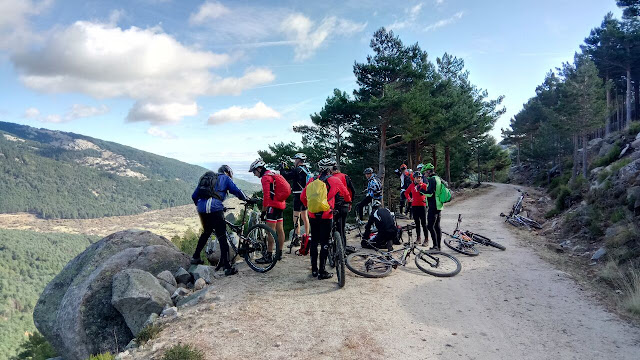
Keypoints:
pixel 563 195
pixel 183 352
pixel 103 356
pixel 611 156
pixel 148 333
pixel 35 347
pixel 559 180
pixel 617 215
pixel 188 242
pixel 604 174
pixel 620 164
pixel 551 213
pixel 634 128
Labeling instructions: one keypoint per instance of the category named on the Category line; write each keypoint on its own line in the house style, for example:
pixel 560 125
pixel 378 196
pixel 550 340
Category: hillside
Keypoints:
pixel 56 174
pixel 28 261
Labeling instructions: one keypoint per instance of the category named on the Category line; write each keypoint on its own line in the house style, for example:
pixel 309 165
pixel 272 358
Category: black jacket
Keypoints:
pixel 384 222
pixel 297 176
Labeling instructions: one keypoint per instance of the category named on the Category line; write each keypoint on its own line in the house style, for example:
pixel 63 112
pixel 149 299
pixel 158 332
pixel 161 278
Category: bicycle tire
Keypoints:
pixel 340 271
pixel 331 259
pixel 530 222
pixel 426 257
pixel 367 265
pixel 457 245
pixel 486 241
pixel 513 221
pixel 257 246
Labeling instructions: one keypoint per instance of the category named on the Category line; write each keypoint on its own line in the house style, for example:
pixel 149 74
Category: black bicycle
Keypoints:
pixel 465 242
pixel 336 251
pixel 294 238
pixel 253 244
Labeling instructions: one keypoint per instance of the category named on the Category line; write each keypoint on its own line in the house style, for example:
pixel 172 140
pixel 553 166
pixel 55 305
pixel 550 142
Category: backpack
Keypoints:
pixel 207 186
pixel 317 196
pixel 307 172
pixel 304 245
pixel 442 192
pixel 282 188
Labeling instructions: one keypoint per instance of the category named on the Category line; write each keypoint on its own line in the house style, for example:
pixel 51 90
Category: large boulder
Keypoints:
pixel 75 313
pixel 136 294
pixel 630 172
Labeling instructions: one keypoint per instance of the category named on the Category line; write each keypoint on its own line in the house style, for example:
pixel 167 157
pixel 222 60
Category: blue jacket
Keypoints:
pixel 224 185
pixel 374 188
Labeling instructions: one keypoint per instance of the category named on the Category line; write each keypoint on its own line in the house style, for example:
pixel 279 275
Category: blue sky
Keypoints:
pixel 215 81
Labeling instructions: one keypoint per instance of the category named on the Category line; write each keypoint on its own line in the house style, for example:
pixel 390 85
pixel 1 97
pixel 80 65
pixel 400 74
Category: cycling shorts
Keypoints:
pixel 297 203
pixel 274 215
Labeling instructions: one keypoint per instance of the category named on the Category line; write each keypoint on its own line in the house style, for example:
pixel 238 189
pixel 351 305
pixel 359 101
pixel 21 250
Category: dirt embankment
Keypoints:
pixel 503 305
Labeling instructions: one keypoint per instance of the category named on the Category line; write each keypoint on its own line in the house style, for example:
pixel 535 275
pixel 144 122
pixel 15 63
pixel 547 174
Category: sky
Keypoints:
pixel 208 82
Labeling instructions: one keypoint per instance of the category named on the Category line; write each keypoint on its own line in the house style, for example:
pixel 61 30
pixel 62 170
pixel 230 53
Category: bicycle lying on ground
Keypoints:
pixel 514 218
pixel 377 263
pixel 465 242
pixel 252 245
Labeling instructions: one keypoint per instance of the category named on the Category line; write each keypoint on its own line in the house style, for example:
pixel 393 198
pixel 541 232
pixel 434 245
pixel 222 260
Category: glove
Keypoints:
pixel 263 215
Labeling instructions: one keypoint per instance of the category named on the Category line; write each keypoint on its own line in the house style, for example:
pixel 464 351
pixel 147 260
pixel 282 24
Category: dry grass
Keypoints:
pixel 631 284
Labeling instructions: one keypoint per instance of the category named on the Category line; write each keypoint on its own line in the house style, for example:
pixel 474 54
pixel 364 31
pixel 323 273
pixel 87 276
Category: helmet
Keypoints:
pixel 368 171
pixel 256 164
pixel 326 164
pixel 225 169
pixel 403 167
pixel 429 166
pixel 376 204
pixel 300 156
pixel 419 167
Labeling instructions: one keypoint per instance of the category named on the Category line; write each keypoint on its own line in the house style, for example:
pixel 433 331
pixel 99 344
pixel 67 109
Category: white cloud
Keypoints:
pixel 52 119
pixel 439 2
pixel 208 11
pixel 238 114
pixel 444 22
pixel 15 29
pixel 147 65
pixel 409 19
pixel 154 131
pixel 31 113
pixel 308 37
pixel 115 16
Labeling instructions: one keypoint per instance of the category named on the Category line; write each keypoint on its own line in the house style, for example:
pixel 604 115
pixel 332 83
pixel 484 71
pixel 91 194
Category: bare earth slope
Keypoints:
pixel 503 305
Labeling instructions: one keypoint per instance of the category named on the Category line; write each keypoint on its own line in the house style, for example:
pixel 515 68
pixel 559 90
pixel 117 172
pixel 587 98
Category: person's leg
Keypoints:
pixel 297 222
pixel 437 228
pixel 343 223
pixel 220 228
pixel 423 221
pixel 416 220
pixel 362 204
pixel 272 223
pixel 325 230
pixel 280 231
pixel 431 223
pixel 313 244
pixel 207 226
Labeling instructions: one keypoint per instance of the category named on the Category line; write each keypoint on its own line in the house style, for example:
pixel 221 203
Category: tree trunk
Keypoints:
pixel 338 153
pixel 628 99
pixel 607 120
pixel 584 154
pixel 574 169
pixel 447 163
pixel 434 156
pixel 519 153
pixel 617 112
pixel 410 154
pixel 478 155
pixel 383 154
pixel 493 175
pixel 636 99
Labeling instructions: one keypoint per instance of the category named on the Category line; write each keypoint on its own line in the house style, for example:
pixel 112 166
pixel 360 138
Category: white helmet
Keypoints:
pixel 300 156
pixel 256 164
pixel 326 164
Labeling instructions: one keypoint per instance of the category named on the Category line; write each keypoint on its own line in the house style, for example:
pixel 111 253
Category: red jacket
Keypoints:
pixel 348 186
pixel 335 187
pixel 267 189
pixel 414 197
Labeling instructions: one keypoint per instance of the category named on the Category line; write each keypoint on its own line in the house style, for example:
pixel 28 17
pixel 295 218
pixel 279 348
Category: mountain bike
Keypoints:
pixel 378 263
pixel 336 251
pixel 464 241
pixel 253 244
pixel 294 238
pixel 514 218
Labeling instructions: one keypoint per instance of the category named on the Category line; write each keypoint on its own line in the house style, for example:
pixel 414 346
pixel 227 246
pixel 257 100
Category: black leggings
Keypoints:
pixel 214 222
pixel 360 207
pixel 433 217
pixel 320 232
pixel 341 218
pixel 420 218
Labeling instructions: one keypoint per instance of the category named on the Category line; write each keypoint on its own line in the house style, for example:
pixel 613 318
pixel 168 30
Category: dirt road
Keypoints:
pixel 503 305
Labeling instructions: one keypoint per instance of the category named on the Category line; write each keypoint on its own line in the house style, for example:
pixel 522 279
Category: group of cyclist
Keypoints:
pixel 418 190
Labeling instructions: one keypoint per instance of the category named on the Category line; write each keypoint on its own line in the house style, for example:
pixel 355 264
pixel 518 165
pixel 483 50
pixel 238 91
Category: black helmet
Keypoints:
pixel 368 171
pixel 326 164
pixel 225 169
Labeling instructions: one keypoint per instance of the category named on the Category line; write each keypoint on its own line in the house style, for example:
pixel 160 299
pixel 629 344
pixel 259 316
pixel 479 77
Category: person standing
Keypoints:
pixel 343 204
pixel 298 176
pixel 211 191
pixel 275 190
pixel 374 191
pixel 416 194
pixel 405 182
pixel 434 206
pixel 321 221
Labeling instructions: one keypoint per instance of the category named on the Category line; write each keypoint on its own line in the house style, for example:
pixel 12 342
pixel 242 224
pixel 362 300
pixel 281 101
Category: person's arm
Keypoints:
pixel 431 187
pixel 350 188
pixel 423 189
pixel 289 175
pixel 407 193
pixel 265 190
pixel 336 188
pixel 194 196
pixel 303 194
pixel 233 189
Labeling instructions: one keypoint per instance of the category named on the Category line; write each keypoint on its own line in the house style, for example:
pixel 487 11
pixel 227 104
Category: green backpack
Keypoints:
pixel 442 192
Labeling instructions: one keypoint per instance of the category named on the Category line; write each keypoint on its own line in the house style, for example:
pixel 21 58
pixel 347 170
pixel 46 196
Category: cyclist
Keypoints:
pixel 387 230
pixel 321 222
pixel 272 209
pixel 374 191
pixel 343 204
pixel 298 176
pixel 434 207
pixel 416 196
pixel 211 213
pixel 405 182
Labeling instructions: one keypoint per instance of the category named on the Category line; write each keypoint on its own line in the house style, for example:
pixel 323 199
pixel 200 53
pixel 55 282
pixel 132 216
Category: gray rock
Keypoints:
pixel 633 194
pixel 636 144
pixel 74 312
pixel 131 345
pixel 213 249
pixel 604 149
pixel 182 276
pixel 599 254
pixel 180 292
pixel 150 320
pixel 167 277
pixel 172 311
pixel 194 298
pixel 638 136
pixel 628 173
pixel 137 294
pixel 199 284
pixel 205 272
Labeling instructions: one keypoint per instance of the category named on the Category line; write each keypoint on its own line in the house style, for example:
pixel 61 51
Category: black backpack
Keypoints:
pixel 207 186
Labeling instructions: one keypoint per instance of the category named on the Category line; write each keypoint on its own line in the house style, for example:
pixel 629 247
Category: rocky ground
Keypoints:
pixel 503 305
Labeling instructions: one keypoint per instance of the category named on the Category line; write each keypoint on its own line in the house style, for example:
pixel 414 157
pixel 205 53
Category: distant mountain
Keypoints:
pixel 57 174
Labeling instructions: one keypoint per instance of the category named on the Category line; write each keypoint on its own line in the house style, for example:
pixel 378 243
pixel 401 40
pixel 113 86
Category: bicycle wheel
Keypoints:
pixel 461 246
pixel 531 223
pixel 339 258
pixel 368 265
pixel 486 241
pixel 437 263
pixel 256 246
pixel 513 221
pixel 331 257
